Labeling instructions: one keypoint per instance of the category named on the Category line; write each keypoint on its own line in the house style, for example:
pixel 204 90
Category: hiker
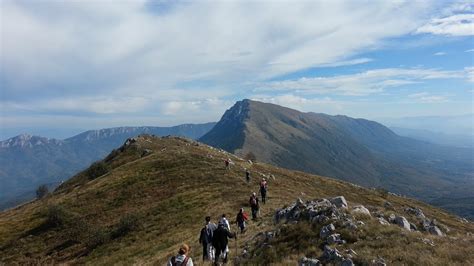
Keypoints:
pixel 205 239
pixel 227 163
pixel 182 258
pixel 254 205
pixel 241 218
pixel 220 241
pixel 247 175
pixel 224 221
pixel 263 189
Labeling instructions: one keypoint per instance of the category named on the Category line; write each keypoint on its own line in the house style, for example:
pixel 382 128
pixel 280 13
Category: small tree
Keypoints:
pixel 41 191
pixel 250 156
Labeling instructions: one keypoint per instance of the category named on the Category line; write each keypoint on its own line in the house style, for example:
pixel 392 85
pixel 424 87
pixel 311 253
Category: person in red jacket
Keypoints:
pixel 241 218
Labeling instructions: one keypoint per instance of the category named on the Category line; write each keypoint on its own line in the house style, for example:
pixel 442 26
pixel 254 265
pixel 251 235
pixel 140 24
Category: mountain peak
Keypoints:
pixel 27 141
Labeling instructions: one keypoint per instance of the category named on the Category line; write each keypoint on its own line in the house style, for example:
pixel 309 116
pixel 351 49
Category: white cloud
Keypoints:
pixel 99 47
pixel 439 54
pixel 425 97
pixel 470 73
pixel 364 83
pixel 454 25
pixel 469 51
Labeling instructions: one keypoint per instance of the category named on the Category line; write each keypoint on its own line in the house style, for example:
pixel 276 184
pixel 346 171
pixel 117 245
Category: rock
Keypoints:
pixel 383 221
pixel 413 227
pixel 387 204
pixel 351 252
pixel 379 262
pixel 427 241
pixel 415 211
pixel 331 255
pixel 402 222
pixel 146 152
pixel 339 201
pixel 434 230
pixel 392 218
pixel 347 262
pixel 360 223
pixel 360 210
pixel 326 231
pixel 335 239
pixel 309 262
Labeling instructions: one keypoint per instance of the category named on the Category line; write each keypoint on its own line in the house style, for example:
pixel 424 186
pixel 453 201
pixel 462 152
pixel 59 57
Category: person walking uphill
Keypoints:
pixel 247 175
pixel 205 239
pixel 263 190
pixel 254 205
pixel 220 241
pixel 182 258
pixel 241 218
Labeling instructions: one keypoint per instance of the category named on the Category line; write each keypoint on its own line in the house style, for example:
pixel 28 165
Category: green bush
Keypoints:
pixel 56 216
pixel 96 169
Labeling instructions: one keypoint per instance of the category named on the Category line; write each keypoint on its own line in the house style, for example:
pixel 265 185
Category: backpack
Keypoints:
pixel 253 201
pixel 183 263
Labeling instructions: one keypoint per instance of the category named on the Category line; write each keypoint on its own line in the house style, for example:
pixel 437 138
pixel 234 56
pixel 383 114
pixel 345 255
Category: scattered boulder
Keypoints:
pixel 309 262
pixel 361 210
pixel 387 204
pixel 415 211
pixel 402 222
pixel 339 201
pixel 347 262
pixel 383 221
pixel 326 231
pixel 379 262
pixel 331 255
pixel 392 218
pixel 434 230
pixel 146 152
pixel 427 241
pixel 335 239
pixel 413 227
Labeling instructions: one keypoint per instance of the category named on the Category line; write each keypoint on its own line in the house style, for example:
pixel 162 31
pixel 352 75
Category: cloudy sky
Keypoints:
pixel 66 66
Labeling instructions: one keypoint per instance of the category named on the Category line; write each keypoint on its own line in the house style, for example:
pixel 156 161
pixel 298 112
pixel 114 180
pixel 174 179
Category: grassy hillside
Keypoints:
pixel 25 167
pixel 146 198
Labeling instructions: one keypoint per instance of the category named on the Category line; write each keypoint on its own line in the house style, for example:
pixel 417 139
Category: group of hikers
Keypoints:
pixel 215 238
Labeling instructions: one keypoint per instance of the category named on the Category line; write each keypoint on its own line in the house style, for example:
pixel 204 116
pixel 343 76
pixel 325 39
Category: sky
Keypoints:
pixel 69 66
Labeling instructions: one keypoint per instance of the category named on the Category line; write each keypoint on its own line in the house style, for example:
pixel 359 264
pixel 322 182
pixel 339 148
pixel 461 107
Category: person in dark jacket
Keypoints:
pixel 220 241
pixel 205 239
pixel 263 190
pixel 253 201
pixel 247 175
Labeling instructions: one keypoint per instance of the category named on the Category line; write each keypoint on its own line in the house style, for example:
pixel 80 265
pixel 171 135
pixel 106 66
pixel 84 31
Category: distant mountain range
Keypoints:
pixel 455 140
pixel 28 161
pixel 355 150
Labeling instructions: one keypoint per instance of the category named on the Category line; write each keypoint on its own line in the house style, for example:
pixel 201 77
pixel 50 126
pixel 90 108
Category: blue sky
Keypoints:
pixel 67 66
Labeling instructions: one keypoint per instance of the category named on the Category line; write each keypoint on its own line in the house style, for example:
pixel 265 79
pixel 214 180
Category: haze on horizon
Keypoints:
pixel 70 66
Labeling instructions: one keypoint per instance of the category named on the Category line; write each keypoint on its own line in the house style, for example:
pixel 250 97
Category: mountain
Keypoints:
pixel 146 198
pixel 29 161
pixel 463 141
pixel 452 125
pixel 356 150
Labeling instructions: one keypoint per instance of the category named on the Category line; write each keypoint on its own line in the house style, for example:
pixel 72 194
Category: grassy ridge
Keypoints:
pixel 169 192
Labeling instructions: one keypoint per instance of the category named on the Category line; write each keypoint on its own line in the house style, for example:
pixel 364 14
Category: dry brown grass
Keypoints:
pixel 175 187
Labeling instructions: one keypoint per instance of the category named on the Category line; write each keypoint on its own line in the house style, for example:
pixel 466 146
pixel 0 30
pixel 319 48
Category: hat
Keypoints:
pixel 254 194
pixel 184 249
